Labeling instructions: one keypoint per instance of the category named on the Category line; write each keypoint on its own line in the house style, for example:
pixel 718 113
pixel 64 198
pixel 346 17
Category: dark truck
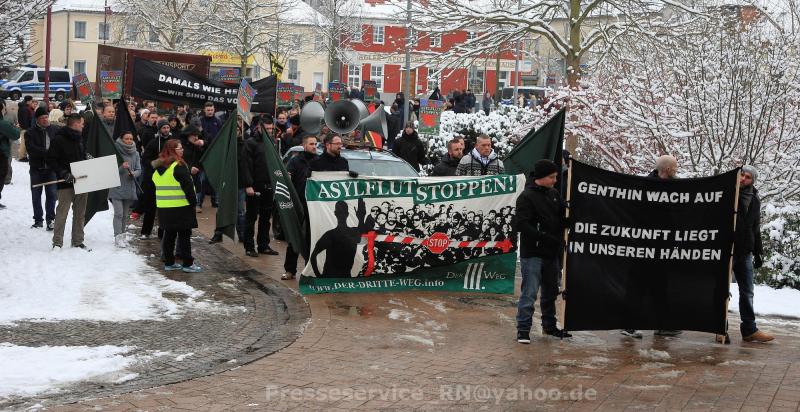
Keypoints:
pixel 119 58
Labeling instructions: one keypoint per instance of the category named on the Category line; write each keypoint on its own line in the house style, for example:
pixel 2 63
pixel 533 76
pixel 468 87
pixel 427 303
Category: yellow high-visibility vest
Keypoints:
pixel 168 189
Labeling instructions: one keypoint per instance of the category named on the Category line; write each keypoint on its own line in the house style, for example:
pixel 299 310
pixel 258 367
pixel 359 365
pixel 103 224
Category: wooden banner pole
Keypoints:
pixel 566 246
pixel 730 261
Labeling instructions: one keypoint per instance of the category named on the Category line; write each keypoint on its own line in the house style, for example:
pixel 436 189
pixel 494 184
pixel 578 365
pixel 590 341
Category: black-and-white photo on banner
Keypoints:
pixel 647 253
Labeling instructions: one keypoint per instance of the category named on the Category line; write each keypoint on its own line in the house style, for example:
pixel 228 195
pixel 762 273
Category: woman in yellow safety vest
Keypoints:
pixel 175 200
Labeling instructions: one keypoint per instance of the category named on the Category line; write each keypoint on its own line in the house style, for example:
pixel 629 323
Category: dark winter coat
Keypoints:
pixel 394 125
pixel 36 145
pixel 146 134
pixel 299 167
pixel 8 132
pixel 411 149
pixel 254 171
pixel 151 152
pixel 211 127
pixel 747 238
pixel 177 218
pixel 67 147
pixel 460 103
pixel 329 163
pixel 25 115
pixel 446 167
pixel 470 101
pixel 540 221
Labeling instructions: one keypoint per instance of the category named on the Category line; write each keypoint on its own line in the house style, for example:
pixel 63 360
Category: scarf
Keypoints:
pixel 746 197
pixel 128 149
pixel 484 160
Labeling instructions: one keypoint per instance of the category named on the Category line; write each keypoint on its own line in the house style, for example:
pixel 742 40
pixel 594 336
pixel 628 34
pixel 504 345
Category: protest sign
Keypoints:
pixel 372 234
pixel 229 75
pixel 370 90
pixel 285 94
pixel 111 84
pixel 246 95
pixel 95 174
pixel 298 93
pixel 337 91
pixel 83 88
pixel 163 83
pixel 646 253
pixel 430 112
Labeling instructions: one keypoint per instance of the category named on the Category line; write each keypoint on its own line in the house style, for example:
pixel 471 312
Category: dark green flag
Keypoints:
pixel 290 209
pixel 99 144
pixel 546 142
pixel 221 163
pixel 124 123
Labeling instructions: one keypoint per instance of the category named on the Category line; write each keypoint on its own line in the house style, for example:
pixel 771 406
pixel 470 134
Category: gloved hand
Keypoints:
pixel 69 178
pixel 757 262
pixel 352 173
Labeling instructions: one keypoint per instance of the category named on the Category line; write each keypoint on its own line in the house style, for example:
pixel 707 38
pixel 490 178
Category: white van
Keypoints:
pixel 29 80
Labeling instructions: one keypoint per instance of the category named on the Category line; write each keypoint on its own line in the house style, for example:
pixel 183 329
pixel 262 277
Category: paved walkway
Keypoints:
pixel 237 320
pixel 445 351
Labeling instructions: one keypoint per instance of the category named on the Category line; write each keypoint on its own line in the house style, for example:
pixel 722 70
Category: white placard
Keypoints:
pixel 100 173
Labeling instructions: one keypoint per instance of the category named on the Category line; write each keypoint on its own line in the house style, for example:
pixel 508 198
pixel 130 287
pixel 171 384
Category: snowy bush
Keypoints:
pixel 781 236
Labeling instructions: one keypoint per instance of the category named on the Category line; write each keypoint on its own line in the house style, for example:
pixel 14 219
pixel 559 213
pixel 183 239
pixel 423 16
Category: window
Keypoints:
pixel 503 79
pixel 436 40
pixel 433 80
pixel 377 34
pixel 471 35
pixel 59 77
pixel 319 43
pixel 296 42
pixel 152 37
pixel 354 76
pixel 79 66
pixel 414 38
pixel 376 74
pixel 103 31
pixel 26 77
pixel 293 73
pixel 358 33
pixel 80 29
pixel 476 77
pixel 131 33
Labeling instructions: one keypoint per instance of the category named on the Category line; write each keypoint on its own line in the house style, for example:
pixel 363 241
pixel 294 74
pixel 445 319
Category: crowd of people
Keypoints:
pixel 162 178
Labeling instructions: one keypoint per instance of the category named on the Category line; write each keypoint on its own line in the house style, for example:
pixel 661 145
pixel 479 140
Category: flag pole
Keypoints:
pixel 563 291
pixel 730 261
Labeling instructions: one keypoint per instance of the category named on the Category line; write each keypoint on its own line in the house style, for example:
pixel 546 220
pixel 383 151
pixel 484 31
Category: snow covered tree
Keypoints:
pixel 242 27
pixel 337 23
pixel 167 25
pixel 16 17
pixel 574 28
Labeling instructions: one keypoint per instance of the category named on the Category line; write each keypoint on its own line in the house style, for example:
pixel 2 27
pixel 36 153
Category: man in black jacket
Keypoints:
pixel 299 169
pixel 68 147
pixel 540 222
pixel 331 160
pixel 449 163
pixel 37 142
pixel 747 253
pixel 410 148
pixel 258 203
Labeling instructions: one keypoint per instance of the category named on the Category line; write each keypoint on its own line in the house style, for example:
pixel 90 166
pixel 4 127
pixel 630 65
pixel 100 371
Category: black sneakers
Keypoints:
pixel 82 246
pixel 217 238
pixel 524 336
pixel 251 253
pixel 36 225
pixel 267 251
pixel 559 333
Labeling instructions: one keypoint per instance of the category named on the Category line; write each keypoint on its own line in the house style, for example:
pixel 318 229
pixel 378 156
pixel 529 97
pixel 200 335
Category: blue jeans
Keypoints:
pixel 743 271
pixel 50 194
pixel 536 273
pixel 205 186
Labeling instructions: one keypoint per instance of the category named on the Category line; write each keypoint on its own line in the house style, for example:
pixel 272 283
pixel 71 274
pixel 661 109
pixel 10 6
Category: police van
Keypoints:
pixel 29 80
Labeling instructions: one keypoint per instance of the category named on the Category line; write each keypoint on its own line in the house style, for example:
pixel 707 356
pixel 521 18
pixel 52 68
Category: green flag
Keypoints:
pixel 290 209
pixel 546 142
pixel 99 144
pixel 221 163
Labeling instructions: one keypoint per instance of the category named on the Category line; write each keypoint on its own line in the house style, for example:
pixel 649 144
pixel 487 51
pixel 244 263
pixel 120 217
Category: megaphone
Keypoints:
pixel 362 108
pixel 311 117
pixel 342 117
pixel 376 122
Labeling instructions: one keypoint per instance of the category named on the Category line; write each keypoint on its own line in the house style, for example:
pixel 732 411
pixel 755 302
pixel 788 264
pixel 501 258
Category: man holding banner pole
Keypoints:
pixel 540 222
pixel 68 147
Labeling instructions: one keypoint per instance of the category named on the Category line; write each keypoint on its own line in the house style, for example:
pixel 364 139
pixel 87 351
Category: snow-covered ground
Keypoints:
pixel 30 371
pixel 769 301
pixel 106 284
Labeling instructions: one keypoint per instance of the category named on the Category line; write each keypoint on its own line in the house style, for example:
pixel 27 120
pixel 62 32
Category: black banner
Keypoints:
pixel 646 253
pixel 166 84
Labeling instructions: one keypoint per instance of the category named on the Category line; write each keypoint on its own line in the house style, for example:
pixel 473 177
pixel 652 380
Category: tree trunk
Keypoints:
pixel 498 95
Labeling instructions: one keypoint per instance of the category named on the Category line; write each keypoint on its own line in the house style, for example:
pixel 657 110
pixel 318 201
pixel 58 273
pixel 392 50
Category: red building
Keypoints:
pixel 379 54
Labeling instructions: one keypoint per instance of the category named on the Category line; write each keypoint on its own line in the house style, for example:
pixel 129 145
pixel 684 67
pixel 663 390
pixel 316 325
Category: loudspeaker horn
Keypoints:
pixel 342 117
pixel 376 122
pixel 311 117
pixel 362 108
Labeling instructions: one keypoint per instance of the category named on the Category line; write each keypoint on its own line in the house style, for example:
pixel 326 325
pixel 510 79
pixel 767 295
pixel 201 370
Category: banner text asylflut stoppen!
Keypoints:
pixel 421 193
